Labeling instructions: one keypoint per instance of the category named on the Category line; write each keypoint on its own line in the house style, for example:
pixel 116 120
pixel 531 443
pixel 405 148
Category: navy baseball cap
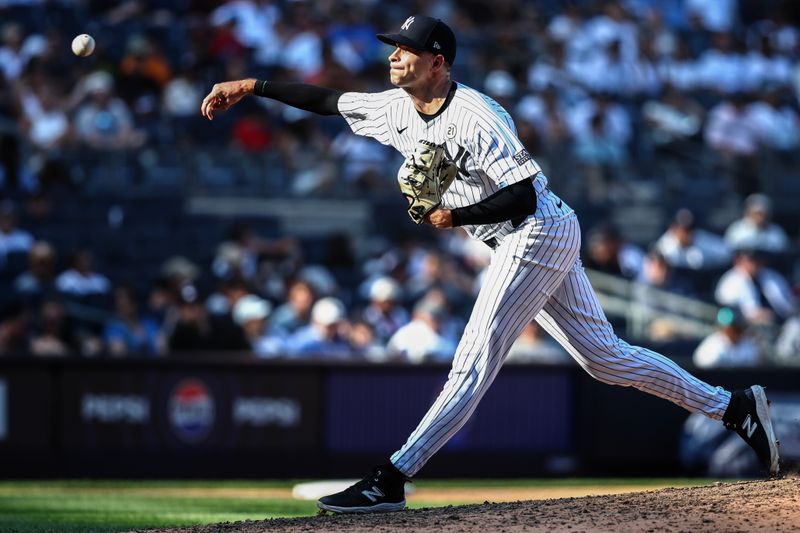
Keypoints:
pixel 424 33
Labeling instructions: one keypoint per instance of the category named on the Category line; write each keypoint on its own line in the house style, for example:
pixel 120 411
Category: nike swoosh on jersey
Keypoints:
pixel 401 130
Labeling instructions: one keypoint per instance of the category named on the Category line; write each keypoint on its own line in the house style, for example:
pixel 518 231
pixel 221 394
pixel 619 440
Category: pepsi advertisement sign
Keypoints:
pixel 191 411
pixel 225 409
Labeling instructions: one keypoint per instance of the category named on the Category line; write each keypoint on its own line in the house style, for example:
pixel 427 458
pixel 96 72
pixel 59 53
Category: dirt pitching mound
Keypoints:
pixel 771 505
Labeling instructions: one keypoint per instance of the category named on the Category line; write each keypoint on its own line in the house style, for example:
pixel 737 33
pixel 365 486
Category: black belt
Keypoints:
pixel 515 223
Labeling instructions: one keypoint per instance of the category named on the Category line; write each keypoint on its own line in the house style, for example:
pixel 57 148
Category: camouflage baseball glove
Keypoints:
pixel 424 177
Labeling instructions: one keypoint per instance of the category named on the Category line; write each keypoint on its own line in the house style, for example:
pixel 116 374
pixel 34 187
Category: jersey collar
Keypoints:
pixel 450 94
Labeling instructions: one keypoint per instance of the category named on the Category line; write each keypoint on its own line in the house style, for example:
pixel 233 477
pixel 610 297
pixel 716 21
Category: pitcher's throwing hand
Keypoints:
pixel 224 95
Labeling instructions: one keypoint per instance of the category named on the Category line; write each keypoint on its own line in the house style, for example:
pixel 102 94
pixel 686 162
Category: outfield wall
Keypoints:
pixel 236 418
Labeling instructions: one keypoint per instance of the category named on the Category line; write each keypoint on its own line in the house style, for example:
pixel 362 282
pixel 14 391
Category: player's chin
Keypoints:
pixel 397 79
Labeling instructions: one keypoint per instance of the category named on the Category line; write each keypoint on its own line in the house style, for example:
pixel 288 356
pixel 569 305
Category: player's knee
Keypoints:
pixel 603 372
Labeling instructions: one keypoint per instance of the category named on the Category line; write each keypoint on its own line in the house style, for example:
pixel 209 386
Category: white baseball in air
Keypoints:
pixel 83 45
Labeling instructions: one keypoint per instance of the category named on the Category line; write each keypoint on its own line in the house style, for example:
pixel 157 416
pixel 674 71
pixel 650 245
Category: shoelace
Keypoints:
pixel 366 483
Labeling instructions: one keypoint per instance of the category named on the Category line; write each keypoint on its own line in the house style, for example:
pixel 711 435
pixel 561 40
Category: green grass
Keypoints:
pixel 107 506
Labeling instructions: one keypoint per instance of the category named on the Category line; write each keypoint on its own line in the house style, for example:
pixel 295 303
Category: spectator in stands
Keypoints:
pixel 364 343
pixel 44 120
pixel 177 271
pixel 295 313
pixel 729 346
pixel 684 245
pixel 734 139
pixel 721 68
pixel 602 158
pixel 546 113
pixel 787 345
pixel 183 94
pixel 679 69
pixel 718 16
pixel 657 273
pixel 385 314
pixel 14 328
pixel 38 281
pixel 189 330
pixel 326 336
pixel 53 334
pixel 673 120
pixel 224 44
pixel 232 261
pixel 777 26
pixel 631 77
pixel 12 56
pixel 362 164
pixel 144 71
pixel 602 116
pixel 421 339
pixel 550 71
pixel 755 230
pixel 104 121
pixel 131 333
pixel 601 130
pixel 438 271
pixel 303 49
pixel 253 24
pixel 228 334
pixel 765 67
pixel 451 323
pixel 776 122
pixel 251 313
pixel 535 346
pixel 251 132
pixel 607 252
pixel 81 280
pixel 240 252
pixel 761 294
pixel 655 309
pixel 15 242
pixel 470 255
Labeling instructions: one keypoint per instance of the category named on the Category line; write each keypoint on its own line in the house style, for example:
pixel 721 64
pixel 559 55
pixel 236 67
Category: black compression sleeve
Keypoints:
pixel 515 201
pixel 319 100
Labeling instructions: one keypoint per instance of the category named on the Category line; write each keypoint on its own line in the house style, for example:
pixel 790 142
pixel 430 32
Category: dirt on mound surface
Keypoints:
pixel 769 505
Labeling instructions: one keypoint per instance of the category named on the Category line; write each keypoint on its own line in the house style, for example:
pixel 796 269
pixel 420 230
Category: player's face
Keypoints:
pixel 409 67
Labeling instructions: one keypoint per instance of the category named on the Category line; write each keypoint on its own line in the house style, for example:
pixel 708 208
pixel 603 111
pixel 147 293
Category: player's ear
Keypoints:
pixel 438 62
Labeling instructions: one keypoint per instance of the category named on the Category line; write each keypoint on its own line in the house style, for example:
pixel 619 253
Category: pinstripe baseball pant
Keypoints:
pixel 536 272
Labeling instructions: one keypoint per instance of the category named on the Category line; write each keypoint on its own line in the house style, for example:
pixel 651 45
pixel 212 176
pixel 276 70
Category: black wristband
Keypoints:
pixel 258 90
pixel 455 218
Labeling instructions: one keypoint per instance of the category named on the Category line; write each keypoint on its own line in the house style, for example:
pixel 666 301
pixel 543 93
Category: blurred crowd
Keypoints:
pixel 607 95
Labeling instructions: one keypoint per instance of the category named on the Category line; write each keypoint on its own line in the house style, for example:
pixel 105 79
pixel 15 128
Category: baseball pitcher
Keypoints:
pixel 465 166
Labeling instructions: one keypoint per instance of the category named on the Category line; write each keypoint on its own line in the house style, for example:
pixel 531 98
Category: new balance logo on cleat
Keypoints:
pixel 373 494
pixel 749 426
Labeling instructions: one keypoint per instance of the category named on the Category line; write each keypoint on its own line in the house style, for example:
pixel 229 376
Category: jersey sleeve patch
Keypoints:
pixel 522 157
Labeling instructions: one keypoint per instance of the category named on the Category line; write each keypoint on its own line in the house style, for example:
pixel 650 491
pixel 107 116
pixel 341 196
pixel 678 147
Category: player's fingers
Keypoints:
pixel 204 107
pixel 210 103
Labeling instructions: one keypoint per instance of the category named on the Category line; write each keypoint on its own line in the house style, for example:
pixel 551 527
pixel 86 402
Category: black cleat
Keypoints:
pixel 748 415
pixel 380 492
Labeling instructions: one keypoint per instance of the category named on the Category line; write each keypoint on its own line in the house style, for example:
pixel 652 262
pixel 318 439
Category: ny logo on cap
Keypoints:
pixel 407 24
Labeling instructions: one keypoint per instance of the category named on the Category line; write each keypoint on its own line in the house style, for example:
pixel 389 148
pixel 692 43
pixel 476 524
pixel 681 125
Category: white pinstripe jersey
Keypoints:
pixel 478 135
